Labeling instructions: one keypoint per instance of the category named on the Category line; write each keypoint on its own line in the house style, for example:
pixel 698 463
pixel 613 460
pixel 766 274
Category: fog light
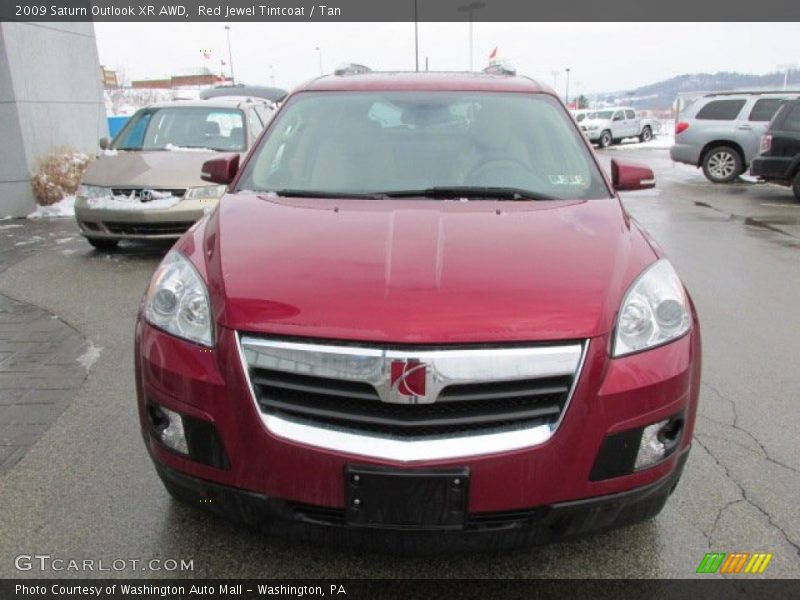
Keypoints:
pixel 651 448
pixel 169 429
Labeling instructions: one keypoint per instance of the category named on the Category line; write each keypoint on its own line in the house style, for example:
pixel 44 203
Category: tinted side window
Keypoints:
pixel 792 120
pixel 721 110
pixel 765 109
pixel 629 114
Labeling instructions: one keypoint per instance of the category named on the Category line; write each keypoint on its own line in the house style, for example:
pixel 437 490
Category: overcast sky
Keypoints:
pixel 601 56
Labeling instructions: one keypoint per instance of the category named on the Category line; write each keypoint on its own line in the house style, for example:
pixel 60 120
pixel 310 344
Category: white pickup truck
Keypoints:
pixel 612 125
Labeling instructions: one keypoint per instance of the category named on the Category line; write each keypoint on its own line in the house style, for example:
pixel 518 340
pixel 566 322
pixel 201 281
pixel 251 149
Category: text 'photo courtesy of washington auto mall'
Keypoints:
pixel 369 299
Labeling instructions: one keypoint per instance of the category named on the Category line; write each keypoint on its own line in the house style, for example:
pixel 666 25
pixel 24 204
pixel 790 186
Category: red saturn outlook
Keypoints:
pixel 420 317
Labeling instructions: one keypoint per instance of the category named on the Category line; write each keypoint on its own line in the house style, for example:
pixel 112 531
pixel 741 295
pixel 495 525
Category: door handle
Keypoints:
pixel 745 127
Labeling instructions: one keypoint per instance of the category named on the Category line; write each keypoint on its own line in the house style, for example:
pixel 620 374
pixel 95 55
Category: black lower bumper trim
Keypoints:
pixel 482 532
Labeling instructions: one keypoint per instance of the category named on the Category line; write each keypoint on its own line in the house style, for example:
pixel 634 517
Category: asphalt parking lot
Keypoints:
pixel 86 488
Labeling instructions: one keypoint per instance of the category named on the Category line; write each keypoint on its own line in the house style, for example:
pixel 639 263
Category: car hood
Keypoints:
pixel 417 271
pixel 594 122
pixel 165 168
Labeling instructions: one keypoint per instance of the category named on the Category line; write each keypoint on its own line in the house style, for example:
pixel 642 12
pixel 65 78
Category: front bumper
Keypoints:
pixel 142 224
pixel 483 531
pixel 611 396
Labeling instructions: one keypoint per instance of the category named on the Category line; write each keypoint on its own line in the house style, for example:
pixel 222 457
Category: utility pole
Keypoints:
pixel 469 9
pixel 555 75
pixel 319 51
pixel 786 69
pixel 566 94
pixel 416 38
pixel 230 54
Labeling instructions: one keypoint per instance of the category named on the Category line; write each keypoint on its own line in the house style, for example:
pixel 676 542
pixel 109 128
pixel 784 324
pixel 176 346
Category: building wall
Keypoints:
pixel 50 96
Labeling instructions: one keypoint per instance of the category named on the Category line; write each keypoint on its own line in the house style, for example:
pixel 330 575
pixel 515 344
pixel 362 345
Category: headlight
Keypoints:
pixel 205 192
pixel 177 301
pixel 93 191
pixel 655 310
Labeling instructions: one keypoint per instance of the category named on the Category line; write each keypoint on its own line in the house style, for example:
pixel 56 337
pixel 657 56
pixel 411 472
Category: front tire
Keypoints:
pixel 722 164
pixel 646 135
pixel 605 139
pixel 103 243
pixel 796 186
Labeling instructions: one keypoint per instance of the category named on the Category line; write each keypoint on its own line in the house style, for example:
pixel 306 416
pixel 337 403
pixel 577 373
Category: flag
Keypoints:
pixel 493 55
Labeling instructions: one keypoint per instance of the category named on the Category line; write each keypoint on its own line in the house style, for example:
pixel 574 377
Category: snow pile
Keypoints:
pixel 174 148
pixel 63 208
pixel 110 152
pixel 159 200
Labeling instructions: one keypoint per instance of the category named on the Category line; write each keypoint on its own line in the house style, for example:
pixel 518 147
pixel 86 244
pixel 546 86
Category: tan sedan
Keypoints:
pixel 146 185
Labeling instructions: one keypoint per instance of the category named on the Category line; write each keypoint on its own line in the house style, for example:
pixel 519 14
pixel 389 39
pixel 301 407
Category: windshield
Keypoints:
pixel 183 127
pixel 602 114
pixel 386 143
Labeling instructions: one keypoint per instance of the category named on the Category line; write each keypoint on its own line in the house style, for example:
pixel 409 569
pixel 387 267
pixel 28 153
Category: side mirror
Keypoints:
pixel 618 118
pixel 630 176
pixel 220 170
pixel 104 143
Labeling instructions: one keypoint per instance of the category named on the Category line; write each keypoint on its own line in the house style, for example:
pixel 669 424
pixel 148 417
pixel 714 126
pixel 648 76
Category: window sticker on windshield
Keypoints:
pixel 567 179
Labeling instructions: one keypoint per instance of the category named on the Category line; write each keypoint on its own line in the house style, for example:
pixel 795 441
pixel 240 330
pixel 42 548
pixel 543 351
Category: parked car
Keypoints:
pixel 611 126
pixel 421 308
pixel 581 114
pixel 146 184
pixel 721 131
pixel 779 157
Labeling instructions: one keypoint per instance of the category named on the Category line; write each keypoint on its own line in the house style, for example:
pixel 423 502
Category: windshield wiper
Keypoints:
pixel 292 193
pixel 499 193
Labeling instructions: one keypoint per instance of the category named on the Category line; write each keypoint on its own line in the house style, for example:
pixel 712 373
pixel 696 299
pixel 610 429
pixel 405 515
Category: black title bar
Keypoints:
pixel 399 10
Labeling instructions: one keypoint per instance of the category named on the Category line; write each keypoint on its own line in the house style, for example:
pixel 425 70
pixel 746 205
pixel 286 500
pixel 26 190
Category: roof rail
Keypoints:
pixel 351 69
pixel 500 68
pixel 750 92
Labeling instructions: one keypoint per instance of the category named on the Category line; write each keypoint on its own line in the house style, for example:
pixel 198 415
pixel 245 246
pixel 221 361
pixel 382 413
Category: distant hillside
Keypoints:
pixel 661 95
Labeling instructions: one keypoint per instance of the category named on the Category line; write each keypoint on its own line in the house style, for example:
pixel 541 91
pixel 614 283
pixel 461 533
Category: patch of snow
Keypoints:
pixel 174 148
pixel 663 141
pixel 88 358
pixel 31 240
pixel 63 208
pixel 9 226
pixel 160 200
pixel 68 251
pixel 109 152
pixel 6 218
pixel 64 240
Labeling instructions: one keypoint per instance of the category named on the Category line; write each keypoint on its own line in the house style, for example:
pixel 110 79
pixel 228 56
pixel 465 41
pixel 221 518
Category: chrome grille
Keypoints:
pixel 468 391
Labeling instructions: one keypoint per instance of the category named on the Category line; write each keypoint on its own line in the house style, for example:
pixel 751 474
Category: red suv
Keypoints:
pixel 420 316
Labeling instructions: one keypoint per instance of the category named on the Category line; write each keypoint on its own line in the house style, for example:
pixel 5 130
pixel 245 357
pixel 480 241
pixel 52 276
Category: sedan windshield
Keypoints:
pixel 439 145
pixel 177 128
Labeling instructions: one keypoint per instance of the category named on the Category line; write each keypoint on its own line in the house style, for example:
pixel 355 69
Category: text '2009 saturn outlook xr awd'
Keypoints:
pixel 420 316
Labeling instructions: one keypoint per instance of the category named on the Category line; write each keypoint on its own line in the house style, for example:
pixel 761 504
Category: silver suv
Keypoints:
pixel 721 131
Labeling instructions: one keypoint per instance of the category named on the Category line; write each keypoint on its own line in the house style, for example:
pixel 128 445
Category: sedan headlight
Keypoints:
pixel 205 192
pixel 655 311
pixel 177 301
pixel 93 191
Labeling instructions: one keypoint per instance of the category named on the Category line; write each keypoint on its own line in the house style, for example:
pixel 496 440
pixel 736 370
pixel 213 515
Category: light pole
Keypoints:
pixel 230 54
pixel 469 9
pixel 416 38
pixel 272 75
pixel 319 50
pixel 786 69
pixel 566 93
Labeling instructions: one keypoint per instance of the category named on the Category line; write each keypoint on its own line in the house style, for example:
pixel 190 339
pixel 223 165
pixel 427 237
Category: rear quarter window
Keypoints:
pixel 791 122
pixel 720 110
pixel 765 109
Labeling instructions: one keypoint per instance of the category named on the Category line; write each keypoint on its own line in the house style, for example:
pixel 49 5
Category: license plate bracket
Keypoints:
pixel 406 499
